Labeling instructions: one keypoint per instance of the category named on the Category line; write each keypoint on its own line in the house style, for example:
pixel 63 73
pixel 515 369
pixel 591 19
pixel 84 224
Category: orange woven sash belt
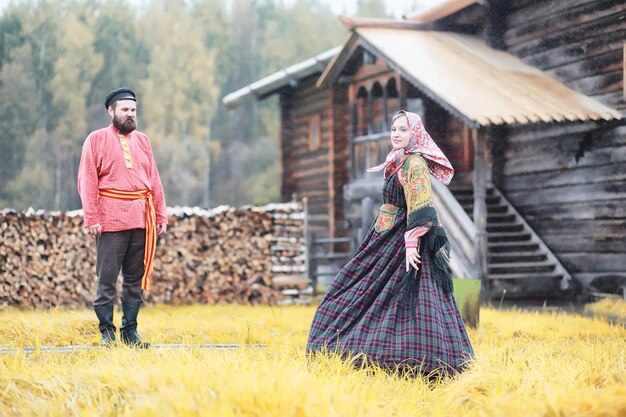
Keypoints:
pixel 150 247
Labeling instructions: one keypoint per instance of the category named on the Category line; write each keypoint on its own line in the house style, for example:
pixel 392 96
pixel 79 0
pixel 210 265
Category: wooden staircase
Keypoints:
pixel 519 264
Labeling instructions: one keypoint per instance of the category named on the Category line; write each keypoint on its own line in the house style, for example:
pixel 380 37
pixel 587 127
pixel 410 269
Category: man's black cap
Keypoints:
pixel 123 93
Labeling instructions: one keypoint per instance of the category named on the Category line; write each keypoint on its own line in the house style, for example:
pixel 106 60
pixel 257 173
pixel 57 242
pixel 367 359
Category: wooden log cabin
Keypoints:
pixel 526 97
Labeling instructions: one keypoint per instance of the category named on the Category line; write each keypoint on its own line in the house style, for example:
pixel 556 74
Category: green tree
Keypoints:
pixel 126 55
pixel 179 99
pixel 266 38
pixel 15 85
pixel 61 65
pixel 58 58
pixel 32 185
pixel 74 70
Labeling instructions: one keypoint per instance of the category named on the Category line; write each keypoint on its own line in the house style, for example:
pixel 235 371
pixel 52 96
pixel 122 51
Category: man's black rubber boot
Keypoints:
pixel 128 331
pixel 106 327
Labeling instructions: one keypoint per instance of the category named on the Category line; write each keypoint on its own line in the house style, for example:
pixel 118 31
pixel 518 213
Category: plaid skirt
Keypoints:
pixel 367 312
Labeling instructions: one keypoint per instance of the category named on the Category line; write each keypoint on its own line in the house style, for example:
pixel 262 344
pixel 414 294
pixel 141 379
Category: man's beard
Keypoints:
pixel 126 126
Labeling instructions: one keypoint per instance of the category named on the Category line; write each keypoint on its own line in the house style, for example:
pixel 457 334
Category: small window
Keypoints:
pixel 392 89
pixel 315 132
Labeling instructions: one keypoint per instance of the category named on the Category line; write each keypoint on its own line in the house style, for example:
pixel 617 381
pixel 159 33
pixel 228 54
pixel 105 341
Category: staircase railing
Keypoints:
pixel 460 229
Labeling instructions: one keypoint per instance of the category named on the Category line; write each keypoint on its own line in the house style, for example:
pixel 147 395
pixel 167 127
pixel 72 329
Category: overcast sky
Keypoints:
pixel 347 7
pixel 395 7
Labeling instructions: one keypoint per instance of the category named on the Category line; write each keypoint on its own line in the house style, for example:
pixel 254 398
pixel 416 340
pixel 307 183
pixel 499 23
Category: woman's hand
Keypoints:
pixel 412 258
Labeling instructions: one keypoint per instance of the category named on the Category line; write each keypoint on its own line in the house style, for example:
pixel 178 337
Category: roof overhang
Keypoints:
pixel 287 77
pixel 478 84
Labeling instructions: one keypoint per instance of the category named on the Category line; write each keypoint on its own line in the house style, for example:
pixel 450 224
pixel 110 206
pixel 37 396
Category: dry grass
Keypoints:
pixel 612 307
pixel 528 364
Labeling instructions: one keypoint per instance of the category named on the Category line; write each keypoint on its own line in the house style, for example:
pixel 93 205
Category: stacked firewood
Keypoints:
pixel 224 255
pixel 45 260
pixel 289 257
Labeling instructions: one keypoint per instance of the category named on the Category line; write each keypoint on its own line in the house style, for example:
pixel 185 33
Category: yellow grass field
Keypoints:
pixel 528 364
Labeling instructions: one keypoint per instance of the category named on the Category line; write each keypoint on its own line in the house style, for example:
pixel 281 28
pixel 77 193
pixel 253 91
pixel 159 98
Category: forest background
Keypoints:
pixel 59 58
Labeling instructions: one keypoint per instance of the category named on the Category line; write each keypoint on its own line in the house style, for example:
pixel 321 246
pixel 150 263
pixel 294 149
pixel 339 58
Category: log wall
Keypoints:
pixel 309 172
pixel 339 155
pixel 226 255
pixel 569 180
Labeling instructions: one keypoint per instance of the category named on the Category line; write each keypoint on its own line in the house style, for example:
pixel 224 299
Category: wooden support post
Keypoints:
pixel 403 93
pixel 480 210
pixel 354 128
pixel 369 113
pixel 331 165
pixel 386 120
pixel 308 242
pixel 624 71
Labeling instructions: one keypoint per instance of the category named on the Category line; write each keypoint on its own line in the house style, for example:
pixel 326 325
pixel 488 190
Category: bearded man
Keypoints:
pixel 124 208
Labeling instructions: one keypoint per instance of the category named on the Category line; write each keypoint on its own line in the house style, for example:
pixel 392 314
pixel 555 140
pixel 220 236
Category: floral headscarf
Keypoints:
pixel 421 143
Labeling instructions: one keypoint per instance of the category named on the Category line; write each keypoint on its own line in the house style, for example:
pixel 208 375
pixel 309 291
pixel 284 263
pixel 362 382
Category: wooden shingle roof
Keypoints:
pixel 481 85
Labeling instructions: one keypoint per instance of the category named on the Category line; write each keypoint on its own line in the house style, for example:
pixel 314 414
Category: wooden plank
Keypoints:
pixel 319 206
pixel 301 125
pixel 567 35
pixel 308 168
pixel 602 209
pixel 569 194
pixel 603 137
pixel 301 151
pixel 367 74
pixel 480 208
pixel 551 144
pixel 535 10
pixel 311 182
pixel 561 162
pixel 516 5
pixel 307 106
pixel 304 160
pixel 576 51
pixel 574 176
pixel 597 65
pixel 587 228
pixel 599 84
pixel 585 261
pixel 562 243
pixel 306 186
pixel 301 111
pixel 539 132
pixel 590 210
pixel 555 16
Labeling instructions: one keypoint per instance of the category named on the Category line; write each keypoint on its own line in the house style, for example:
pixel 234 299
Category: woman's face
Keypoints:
pixel 400 133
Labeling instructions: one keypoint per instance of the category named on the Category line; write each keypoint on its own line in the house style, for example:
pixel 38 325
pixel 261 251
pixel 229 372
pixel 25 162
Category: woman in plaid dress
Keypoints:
pixel 392 304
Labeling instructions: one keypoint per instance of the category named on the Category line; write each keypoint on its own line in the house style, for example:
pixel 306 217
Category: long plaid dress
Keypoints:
pixel 369 310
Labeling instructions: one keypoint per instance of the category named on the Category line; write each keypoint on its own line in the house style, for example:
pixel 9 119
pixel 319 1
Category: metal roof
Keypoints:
pixel 477 83
pixel 289 76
